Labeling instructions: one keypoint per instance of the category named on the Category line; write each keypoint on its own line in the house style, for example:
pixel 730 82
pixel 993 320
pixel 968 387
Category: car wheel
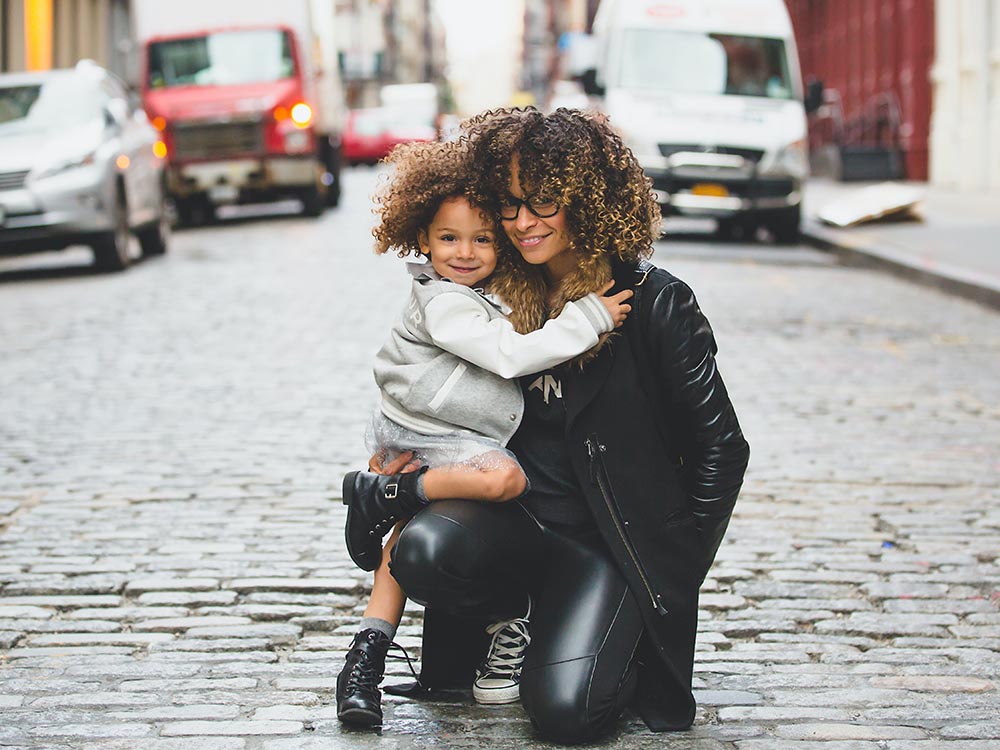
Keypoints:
pixel 111 249
pixel 154 238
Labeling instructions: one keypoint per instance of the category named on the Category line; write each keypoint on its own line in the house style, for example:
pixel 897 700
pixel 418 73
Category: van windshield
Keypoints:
pixel 222 59
pixel 663 60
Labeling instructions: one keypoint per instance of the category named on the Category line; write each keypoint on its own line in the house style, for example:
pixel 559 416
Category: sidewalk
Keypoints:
pixel 955 248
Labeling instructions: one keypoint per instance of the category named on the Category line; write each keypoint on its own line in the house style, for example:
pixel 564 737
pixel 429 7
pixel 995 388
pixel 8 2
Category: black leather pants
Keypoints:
pixel 477 558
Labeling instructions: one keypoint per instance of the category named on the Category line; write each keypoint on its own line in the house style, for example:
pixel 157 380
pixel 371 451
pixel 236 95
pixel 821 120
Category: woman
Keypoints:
pixel 633 453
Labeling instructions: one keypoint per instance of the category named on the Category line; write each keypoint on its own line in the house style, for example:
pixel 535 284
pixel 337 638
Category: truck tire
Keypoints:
pixel 784 225
pixel 313 201
pixel 333 166
pixel 111 249
pixel 194 212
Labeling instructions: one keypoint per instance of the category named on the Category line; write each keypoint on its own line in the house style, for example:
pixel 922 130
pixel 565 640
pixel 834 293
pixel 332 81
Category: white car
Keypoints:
pixel 79 164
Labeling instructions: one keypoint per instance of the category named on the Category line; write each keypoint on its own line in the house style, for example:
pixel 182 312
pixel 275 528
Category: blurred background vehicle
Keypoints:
pixel 365 137
pixel 249 97
pixel 708 95
pixel 79 164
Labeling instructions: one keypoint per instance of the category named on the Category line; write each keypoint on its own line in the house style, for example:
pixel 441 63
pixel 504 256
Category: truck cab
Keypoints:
pixel 708 95
pixel 247 97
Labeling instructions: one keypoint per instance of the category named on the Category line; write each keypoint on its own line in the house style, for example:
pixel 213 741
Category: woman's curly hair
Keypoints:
pixel 577 160
pixel 424 175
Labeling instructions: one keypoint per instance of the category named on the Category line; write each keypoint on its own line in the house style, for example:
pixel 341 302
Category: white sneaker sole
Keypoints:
pixel 496 696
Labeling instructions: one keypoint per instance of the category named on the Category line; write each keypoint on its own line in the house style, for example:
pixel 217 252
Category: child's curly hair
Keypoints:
pixel 424 176
pixel 577 160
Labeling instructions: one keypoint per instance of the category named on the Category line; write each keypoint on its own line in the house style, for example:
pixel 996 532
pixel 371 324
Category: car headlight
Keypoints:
pixel 792 160
pixel 83 160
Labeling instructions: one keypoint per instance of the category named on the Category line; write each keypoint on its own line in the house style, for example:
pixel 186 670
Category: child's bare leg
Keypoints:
pixel 387 598
pixel 504 480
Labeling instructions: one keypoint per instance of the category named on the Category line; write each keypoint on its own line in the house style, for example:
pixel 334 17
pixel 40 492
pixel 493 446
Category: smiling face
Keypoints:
pixel 540 241
pixel 460 243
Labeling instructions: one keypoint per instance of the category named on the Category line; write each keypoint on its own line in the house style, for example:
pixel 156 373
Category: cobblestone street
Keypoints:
pixel 173 439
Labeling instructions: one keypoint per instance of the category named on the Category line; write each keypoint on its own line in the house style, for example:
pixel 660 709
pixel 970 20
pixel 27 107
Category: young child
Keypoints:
pixel 447 398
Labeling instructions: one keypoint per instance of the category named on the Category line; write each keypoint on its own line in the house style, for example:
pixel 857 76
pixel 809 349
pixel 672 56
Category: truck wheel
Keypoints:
pixel 785 225
pixel 154 238
pixel 333 190
pixel 111 248
pixel 313 202
pixel 194 212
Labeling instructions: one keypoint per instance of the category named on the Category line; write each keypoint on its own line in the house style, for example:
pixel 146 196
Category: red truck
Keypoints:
pixel 248 97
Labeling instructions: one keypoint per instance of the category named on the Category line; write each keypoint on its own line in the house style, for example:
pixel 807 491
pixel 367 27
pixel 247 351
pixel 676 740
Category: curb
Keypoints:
pixel 855 251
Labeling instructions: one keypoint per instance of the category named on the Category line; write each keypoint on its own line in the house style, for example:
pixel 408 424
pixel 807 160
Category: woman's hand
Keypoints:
pixel 401 464
pixel 616 303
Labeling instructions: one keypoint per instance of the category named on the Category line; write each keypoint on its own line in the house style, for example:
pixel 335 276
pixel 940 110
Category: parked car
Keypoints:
pixel 365 138
pixel 371 133
pixel 79 164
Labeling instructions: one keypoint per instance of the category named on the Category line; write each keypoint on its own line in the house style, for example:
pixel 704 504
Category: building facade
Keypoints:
pixel 874 60
pixel 965 124
pixel 43 34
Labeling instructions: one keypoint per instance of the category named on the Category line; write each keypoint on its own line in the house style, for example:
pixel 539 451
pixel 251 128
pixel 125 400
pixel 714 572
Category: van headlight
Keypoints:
pixel 791 160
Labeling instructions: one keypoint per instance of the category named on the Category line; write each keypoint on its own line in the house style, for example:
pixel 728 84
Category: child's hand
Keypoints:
pixel 402 464
pixel 616 303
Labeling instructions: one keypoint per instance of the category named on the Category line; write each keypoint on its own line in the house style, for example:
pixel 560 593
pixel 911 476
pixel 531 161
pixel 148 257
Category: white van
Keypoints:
pixel 708 95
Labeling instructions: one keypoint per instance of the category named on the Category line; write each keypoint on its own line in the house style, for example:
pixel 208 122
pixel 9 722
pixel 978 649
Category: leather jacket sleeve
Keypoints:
pixel 713 449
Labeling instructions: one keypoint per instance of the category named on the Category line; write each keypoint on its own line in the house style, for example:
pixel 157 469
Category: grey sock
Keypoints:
pixel 420 490
pixel 377 623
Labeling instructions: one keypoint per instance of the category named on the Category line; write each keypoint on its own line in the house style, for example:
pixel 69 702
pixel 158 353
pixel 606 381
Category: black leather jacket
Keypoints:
pixel 660 457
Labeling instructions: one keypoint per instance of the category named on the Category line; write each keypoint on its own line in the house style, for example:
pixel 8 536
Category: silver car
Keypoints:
pixel 79 164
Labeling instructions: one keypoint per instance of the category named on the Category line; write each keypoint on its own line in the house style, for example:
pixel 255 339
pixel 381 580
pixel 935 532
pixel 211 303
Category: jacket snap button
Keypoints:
pixel 513 417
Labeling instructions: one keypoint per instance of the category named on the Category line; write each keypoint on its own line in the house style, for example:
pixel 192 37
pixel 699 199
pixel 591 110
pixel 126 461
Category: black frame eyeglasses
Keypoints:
pixel 510 207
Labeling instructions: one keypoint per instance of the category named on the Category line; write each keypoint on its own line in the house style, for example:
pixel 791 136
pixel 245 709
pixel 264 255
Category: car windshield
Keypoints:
pixel 54 104
pixel 224 59
pixel 661 60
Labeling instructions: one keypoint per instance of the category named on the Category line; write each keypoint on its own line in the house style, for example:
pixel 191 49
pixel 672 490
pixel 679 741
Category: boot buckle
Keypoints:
pixel 391 490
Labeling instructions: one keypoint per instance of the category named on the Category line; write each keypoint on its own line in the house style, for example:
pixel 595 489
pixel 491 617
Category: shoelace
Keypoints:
pixel 510 639
pixel 365 679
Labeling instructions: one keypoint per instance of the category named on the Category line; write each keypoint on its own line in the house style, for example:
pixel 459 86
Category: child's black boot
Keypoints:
pixel 359 700
pixel 375 502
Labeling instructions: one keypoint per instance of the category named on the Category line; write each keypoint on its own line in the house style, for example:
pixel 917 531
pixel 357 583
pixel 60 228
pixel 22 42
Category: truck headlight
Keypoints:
pixel 296 140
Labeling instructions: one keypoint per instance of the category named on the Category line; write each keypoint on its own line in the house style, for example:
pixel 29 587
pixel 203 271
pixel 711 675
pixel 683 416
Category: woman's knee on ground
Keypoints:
pixel 559 699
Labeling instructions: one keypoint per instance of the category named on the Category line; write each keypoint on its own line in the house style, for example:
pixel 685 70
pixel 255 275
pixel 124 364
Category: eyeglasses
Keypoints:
pixel 510 207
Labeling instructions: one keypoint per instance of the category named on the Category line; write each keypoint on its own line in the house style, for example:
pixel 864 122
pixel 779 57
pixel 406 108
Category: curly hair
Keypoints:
pixel 577 160
pixel 424 175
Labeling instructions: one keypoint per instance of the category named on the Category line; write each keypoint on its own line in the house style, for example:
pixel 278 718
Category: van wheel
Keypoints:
pixel 111 248
pixel 785 225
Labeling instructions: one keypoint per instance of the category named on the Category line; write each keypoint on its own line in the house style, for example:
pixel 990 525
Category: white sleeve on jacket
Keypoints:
pixel 461 326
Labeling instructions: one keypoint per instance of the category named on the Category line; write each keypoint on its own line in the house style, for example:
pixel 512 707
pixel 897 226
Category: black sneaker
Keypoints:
pixel 498 678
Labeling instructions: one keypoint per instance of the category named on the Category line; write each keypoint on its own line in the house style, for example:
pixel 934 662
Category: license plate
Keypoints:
pixel 713 189
pixel 223 193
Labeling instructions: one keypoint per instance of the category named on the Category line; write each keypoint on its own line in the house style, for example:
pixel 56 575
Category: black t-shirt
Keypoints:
pixel 540 446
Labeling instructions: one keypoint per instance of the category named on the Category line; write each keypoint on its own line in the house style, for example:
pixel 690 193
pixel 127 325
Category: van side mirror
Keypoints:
pixel 814 96
pixel 589 82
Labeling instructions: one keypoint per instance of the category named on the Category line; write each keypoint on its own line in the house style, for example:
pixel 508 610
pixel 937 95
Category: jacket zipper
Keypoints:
pixel 599 477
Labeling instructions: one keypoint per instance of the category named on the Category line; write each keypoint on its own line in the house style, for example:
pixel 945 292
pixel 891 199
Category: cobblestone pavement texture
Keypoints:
pixel 172 440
